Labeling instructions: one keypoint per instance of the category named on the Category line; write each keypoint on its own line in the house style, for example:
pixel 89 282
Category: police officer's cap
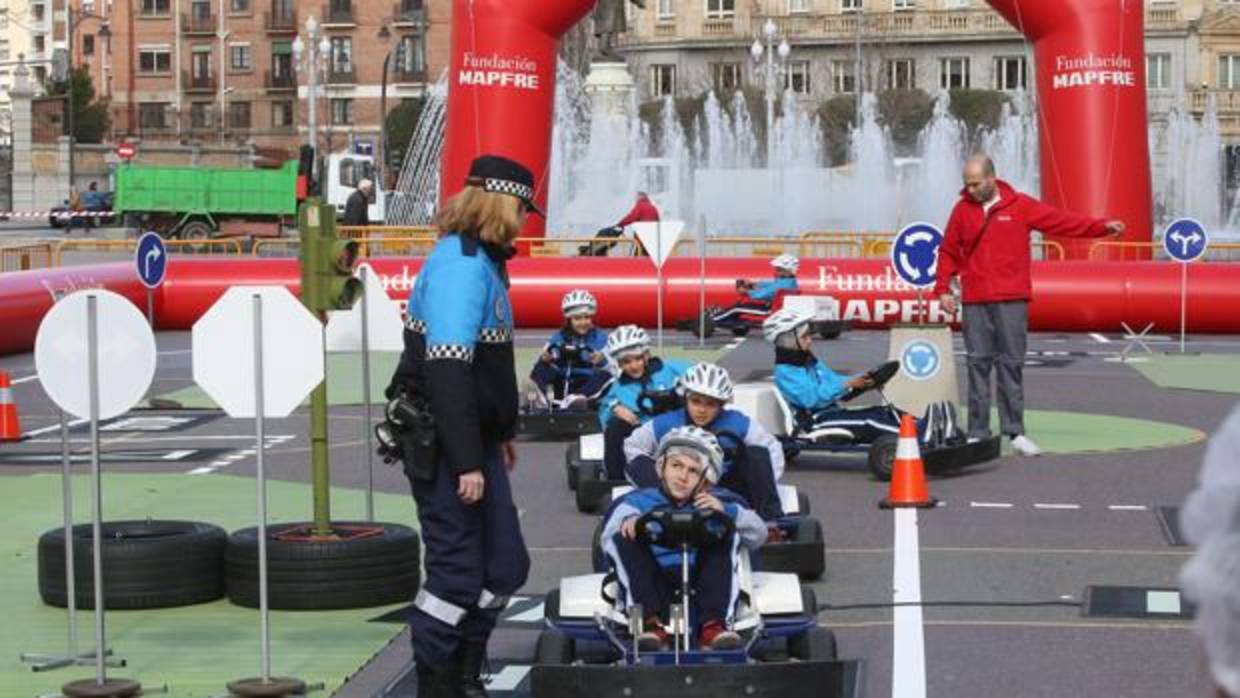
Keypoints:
pixel 499 174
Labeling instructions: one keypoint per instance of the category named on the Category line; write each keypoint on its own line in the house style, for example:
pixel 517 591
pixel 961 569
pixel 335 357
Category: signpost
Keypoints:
pixel 126 151
pixel 659 238
pixel 116 374
pixel 915 258
pixel 151 260
pixel 285 344
pixel 1185 241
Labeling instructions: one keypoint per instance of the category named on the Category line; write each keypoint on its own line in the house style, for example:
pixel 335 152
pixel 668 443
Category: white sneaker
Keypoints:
pixel 1025 446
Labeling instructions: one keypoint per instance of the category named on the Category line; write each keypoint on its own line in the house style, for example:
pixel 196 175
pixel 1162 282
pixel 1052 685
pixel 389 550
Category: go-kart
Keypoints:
pixel 558 415
pixel 941 451
pixel 745 315
pixel 589 646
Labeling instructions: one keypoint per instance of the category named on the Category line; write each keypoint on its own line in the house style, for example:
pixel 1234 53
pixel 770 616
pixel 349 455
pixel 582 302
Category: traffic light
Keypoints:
pixel 327 281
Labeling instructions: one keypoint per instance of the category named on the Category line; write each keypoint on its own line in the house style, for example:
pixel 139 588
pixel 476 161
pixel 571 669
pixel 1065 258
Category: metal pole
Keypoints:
pixel 658 243
pixel 1183 302
pixel 770 102
pixel 259 409
pixel 701 282
pixel 96 504
pixel 383 151
pixel 857 69
pixel 66 486
pixel 69 93
pixel 367 435
pixel 150 307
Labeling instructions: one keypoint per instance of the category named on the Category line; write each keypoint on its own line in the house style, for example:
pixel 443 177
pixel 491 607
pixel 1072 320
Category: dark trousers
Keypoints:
pixel 547 379
pixel 655 588
pixel 474 557
pixel 994 337
pixel 866 423
pixel 614 434
pixel 753 479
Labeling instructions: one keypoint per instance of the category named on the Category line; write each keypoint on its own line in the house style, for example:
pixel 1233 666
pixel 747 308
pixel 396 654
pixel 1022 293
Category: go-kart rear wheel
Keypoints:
pixel 802 502
pixel 740 330
pixel 830 329
pixel 597 559
pixel 704 327
pixel 554 648
pixel 814 645
pixel 587 501
pixel 570 464
pixel 882 455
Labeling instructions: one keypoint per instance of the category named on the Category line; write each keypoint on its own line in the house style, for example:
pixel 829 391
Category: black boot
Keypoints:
pixel 436 682
pixel 469 659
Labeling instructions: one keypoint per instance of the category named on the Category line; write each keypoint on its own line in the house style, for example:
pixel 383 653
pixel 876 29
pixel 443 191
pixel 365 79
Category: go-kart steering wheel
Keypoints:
pixel 670 528
pixel 879 375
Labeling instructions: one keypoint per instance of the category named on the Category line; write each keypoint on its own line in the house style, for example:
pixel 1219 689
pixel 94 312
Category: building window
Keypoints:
pixel 155 7
pixel 240 57
pixel 88 44
pixel 956 4
pixel 238 115
pixel 953 73
pixel 726 77
pixel 239 7
pixel 200 115
pixel 797 6
pixel 844 76
pixel 154 61
pixel 662 80
pixel 342 112
pixel 200 65
pixel 153 115
pixel 411 54
pixel 850 5
pixel 37 12
pixel 342 54
pixel 281 114
pixel 39 44
pixel 901 74
pixel 1229 72
pixel 904 4
pixel 719 9
pixel 796 77
pixel 1158 71
pixel 1010 73
pixel 666 9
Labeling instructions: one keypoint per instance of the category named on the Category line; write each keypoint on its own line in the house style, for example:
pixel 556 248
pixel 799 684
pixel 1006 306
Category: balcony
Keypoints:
pixel 199 23
pixel 338 13
pixel 409 13
pixel 338 75
pixel 197 83
pixel 406 76
pixel 922 25
pixel 718 26
pixel 280 21
pixel 279 81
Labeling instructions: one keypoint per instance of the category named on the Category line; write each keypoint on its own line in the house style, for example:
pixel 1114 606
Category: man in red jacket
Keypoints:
pixel 986 244
pixel 643 211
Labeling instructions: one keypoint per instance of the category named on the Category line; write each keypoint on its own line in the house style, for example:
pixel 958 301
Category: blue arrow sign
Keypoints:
pixel 151 259
pixel 1185 240
pixel 915 254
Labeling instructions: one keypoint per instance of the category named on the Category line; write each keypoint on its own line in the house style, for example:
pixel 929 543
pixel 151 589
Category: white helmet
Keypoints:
pixel 695 441
pixel 785 320
pixel 706 379
pixel 627 339
pixel 578 302
pixel 786 262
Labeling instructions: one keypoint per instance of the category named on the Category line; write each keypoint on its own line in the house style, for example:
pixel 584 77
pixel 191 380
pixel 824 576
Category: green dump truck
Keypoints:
pixel 196 203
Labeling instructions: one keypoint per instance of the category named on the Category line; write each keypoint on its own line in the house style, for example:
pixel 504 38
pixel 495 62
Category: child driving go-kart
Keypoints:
pixel 572 370
pixel 762 293
pixel 756 301
pixel 687 462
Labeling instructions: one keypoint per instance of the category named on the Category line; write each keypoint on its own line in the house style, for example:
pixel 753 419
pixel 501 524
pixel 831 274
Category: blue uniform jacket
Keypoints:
pixel 805 382
pixel 765 291
pixel 458 356
pixel 728 425
pixel 587 346
pixel 661 376
pixel 749 526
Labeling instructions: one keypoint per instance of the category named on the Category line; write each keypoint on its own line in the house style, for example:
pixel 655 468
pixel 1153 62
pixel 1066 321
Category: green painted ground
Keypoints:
pixel 1213 372
pixel 1077 432
pixel 194 650
pixel 344 377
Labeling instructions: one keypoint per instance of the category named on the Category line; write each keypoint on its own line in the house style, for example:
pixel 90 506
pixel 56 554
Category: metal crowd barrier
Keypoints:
pixel 23 257
pixel 1107 249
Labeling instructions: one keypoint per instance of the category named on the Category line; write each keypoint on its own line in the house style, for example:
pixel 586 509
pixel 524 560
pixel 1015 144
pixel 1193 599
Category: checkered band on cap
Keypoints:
pixel 495 335
pixel 415 325
pixel 456 352
pixel 504 186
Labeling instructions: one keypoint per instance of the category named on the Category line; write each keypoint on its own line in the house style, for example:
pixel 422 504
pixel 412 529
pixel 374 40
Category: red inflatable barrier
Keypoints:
pixel 501 87
pixel 1092 128
pixel 26 296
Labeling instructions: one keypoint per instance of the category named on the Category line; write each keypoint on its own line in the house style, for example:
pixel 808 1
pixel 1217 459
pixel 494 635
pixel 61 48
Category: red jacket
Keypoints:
pixel 642 212
pixel 990 253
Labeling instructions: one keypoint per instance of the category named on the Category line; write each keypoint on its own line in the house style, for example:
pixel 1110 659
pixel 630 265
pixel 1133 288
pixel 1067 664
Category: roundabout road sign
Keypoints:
pixel 1185 240
pixel 915 254
pixel 920 360
pixel 126 353
pixel 223 350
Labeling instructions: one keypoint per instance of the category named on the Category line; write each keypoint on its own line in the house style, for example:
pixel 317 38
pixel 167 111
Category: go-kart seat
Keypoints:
pixel 763 402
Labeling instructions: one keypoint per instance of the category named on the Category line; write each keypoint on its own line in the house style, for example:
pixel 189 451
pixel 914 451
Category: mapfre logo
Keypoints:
pixel 1091 70
pixel 499 71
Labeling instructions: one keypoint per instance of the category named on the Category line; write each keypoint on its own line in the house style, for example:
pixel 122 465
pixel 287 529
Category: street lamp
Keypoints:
pixel 384 36
pixel 776 57
pixel 72 20
pixel 316 56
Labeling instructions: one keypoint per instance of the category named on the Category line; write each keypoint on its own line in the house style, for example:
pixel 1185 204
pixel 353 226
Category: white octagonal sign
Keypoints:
pixel 126 362
pixel 223 341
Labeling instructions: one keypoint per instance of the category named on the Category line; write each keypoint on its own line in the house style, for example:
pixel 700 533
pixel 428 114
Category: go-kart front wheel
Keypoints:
pixel 704 327
pixel 882 455
pixel 740 330
pixel 814 645
pixel 570 464
pixel 554 648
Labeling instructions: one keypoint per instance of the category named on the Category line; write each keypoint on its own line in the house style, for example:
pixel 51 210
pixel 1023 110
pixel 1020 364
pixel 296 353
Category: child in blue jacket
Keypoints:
pixel 763 293
pixel 572 369
pixel 688 463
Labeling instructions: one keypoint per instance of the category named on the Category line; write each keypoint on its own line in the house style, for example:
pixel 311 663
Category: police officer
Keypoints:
pixel 457 367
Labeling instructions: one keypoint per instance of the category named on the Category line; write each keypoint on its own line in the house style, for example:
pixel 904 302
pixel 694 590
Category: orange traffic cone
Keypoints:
pixel 908 473
pixel 10 427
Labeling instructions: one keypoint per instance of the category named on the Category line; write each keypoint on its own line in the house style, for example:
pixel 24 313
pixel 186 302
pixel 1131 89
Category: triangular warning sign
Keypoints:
pixel 659 238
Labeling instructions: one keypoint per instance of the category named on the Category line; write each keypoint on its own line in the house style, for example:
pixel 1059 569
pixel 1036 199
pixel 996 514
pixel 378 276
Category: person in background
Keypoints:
pixel 357 207
pixel 762 294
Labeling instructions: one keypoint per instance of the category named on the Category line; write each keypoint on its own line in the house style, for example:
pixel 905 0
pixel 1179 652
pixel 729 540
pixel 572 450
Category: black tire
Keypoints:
pixel 597 559
pixel 587 502
pixel 814 645
pixel 195 230
pixel 803 503
pixel 809 601
pixel 570 464
pixel 814 558
pixel 554 648
pixel 740 330
pixel 830 329
pixel 882 455
pixel 704 327
pixel 325 574
pixel 146 564
pixel 551 606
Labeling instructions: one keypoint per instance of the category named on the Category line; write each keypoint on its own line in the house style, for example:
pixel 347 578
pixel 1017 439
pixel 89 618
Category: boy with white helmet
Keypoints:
pixel 754 458
pixel 763 293
pixel 572 368
pixel 644 387
pixel 688 461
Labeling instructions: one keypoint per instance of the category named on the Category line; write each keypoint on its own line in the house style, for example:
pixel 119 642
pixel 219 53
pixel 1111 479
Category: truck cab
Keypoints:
pixel 344 171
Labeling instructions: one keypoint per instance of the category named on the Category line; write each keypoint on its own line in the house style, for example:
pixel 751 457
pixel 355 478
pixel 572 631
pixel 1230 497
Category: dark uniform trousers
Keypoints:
pixel 655 587
pixel 474 559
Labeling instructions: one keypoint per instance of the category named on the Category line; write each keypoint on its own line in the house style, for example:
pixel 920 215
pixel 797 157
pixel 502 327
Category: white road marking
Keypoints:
pixel 176 455
pixel 204 470
pixel 1127 507
pixel 990 505
pixel 509 678
pixel 26 379
pixel 1099 338
pixel 53 427
pixel 1040 505
pixel 531 615
pixel 908 663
